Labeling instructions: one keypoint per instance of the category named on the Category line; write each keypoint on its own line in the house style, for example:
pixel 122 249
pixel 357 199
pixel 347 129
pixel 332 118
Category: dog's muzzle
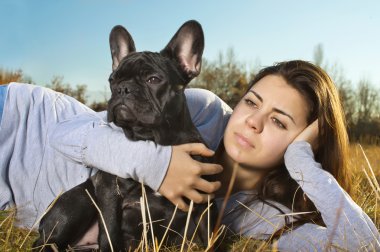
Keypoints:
pixel 122 113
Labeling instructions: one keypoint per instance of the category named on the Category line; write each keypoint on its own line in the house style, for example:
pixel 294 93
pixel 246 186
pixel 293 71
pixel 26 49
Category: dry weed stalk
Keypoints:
pixel 38 221
pixel 226 197
pixel 144 235
pixel 145 201
pixel 187 225
pixel 168 227
pixel 371 179
pixel 102 218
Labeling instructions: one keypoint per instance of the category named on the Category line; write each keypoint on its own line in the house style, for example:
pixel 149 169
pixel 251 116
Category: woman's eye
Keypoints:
pixel 250 102
pixel 278 123
pixel 153 80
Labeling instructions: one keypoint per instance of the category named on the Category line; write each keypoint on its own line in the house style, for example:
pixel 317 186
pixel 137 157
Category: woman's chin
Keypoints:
pixel 236 154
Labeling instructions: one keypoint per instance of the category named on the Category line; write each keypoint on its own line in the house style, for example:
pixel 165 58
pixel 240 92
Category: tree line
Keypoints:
pixel 229 79
pixel 79 92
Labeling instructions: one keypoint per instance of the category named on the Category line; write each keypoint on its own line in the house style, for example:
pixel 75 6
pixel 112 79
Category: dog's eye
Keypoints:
pixel 153 80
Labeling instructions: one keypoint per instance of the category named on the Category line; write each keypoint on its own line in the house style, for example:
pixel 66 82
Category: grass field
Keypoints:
pixel 366 193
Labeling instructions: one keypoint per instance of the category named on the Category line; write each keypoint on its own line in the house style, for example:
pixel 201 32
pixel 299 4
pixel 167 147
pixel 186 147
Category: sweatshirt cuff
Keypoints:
pixel 299 158
pixel 298 148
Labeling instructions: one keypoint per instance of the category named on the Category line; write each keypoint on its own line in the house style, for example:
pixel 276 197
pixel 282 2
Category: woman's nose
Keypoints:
pixel 256 122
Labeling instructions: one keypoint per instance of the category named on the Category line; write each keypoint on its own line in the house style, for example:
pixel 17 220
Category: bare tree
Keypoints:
pixel 318 54
pixel 7 76
pixel 225 76
pixel 367 101
pixel 79 93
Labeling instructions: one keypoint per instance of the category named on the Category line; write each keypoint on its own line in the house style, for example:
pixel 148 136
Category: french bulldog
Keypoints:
pixel 148 103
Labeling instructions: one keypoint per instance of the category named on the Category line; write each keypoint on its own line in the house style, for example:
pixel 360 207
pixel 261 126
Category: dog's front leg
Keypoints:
pixel 68 219
pixel 109 201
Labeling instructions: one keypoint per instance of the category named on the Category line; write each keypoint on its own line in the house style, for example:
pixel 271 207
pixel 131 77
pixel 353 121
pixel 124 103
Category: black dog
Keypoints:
pixel 148 103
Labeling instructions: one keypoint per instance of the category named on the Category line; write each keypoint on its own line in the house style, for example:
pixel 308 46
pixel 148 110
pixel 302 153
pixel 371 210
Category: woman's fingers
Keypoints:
pixel 197 149
pixel 197 197
pixel 310 135
pixel 207 186
pixel 210 169
pixel 183 178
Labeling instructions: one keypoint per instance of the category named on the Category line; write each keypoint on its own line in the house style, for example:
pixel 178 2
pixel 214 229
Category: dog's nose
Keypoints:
pixel 121 90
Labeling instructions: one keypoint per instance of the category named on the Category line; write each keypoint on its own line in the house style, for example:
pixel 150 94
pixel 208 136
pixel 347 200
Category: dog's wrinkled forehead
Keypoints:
pixel 143 64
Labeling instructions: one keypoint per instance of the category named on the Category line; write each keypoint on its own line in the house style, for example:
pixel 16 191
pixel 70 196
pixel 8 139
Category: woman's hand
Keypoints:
pixel 183 178
pixel 310 135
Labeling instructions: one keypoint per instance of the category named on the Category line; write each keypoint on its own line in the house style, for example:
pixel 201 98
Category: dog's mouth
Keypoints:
pixel 134 127
pixel 123 116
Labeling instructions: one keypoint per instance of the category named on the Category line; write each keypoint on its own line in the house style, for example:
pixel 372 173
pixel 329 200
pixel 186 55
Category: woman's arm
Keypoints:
pixel 89 140
pixel 347 226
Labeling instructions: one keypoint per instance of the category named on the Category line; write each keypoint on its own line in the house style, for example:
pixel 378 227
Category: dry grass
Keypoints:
pixel 366 171
pixel 11 238
pixel 366 194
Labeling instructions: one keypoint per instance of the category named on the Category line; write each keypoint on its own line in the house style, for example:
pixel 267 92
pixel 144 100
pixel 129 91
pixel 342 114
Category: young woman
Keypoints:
pixel 287 140
pixel 283 190
pixel 286 145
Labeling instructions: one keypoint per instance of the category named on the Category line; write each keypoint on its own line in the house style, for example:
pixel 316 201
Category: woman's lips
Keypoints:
pixel 243 141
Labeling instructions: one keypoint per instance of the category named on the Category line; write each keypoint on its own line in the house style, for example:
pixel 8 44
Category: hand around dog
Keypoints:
pixel 310 135
pixel 183 178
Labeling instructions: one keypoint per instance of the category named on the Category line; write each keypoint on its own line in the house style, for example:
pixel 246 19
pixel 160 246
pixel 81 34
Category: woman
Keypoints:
pixel 286 148
pixel 291 109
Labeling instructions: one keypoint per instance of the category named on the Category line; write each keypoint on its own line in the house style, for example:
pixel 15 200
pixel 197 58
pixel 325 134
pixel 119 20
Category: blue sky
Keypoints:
pixel 69 38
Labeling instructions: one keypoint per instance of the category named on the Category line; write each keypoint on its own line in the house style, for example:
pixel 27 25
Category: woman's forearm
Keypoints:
pixel 347 225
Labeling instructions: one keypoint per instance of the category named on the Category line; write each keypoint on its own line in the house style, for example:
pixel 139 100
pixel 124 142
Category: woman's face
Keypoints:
pixel 264 123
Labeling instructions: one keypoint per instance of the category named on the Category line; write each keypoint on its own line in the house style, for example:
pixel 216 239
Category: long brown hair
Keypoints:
pixel 324 104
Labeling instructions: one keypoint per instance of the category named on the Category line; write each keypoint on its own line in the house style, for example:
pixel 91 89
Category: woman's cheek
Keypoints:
pixel 277 147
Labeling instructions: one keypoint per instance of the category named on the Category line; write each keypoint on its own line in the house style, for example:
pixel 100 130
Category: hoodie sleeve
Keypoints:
pixel 88 139
pixel 348 227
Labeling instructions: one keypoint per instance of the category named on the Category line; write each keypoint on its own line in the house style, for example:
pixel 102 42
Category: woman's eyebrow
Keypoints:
pixel 284 113
pixel 257 95
pixel 274 109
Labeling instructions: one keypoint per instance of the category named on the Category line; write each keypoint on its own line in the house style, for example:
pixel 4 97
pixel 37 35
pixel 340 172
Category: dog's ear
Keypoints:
pixel 121 44
pixel 186 47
